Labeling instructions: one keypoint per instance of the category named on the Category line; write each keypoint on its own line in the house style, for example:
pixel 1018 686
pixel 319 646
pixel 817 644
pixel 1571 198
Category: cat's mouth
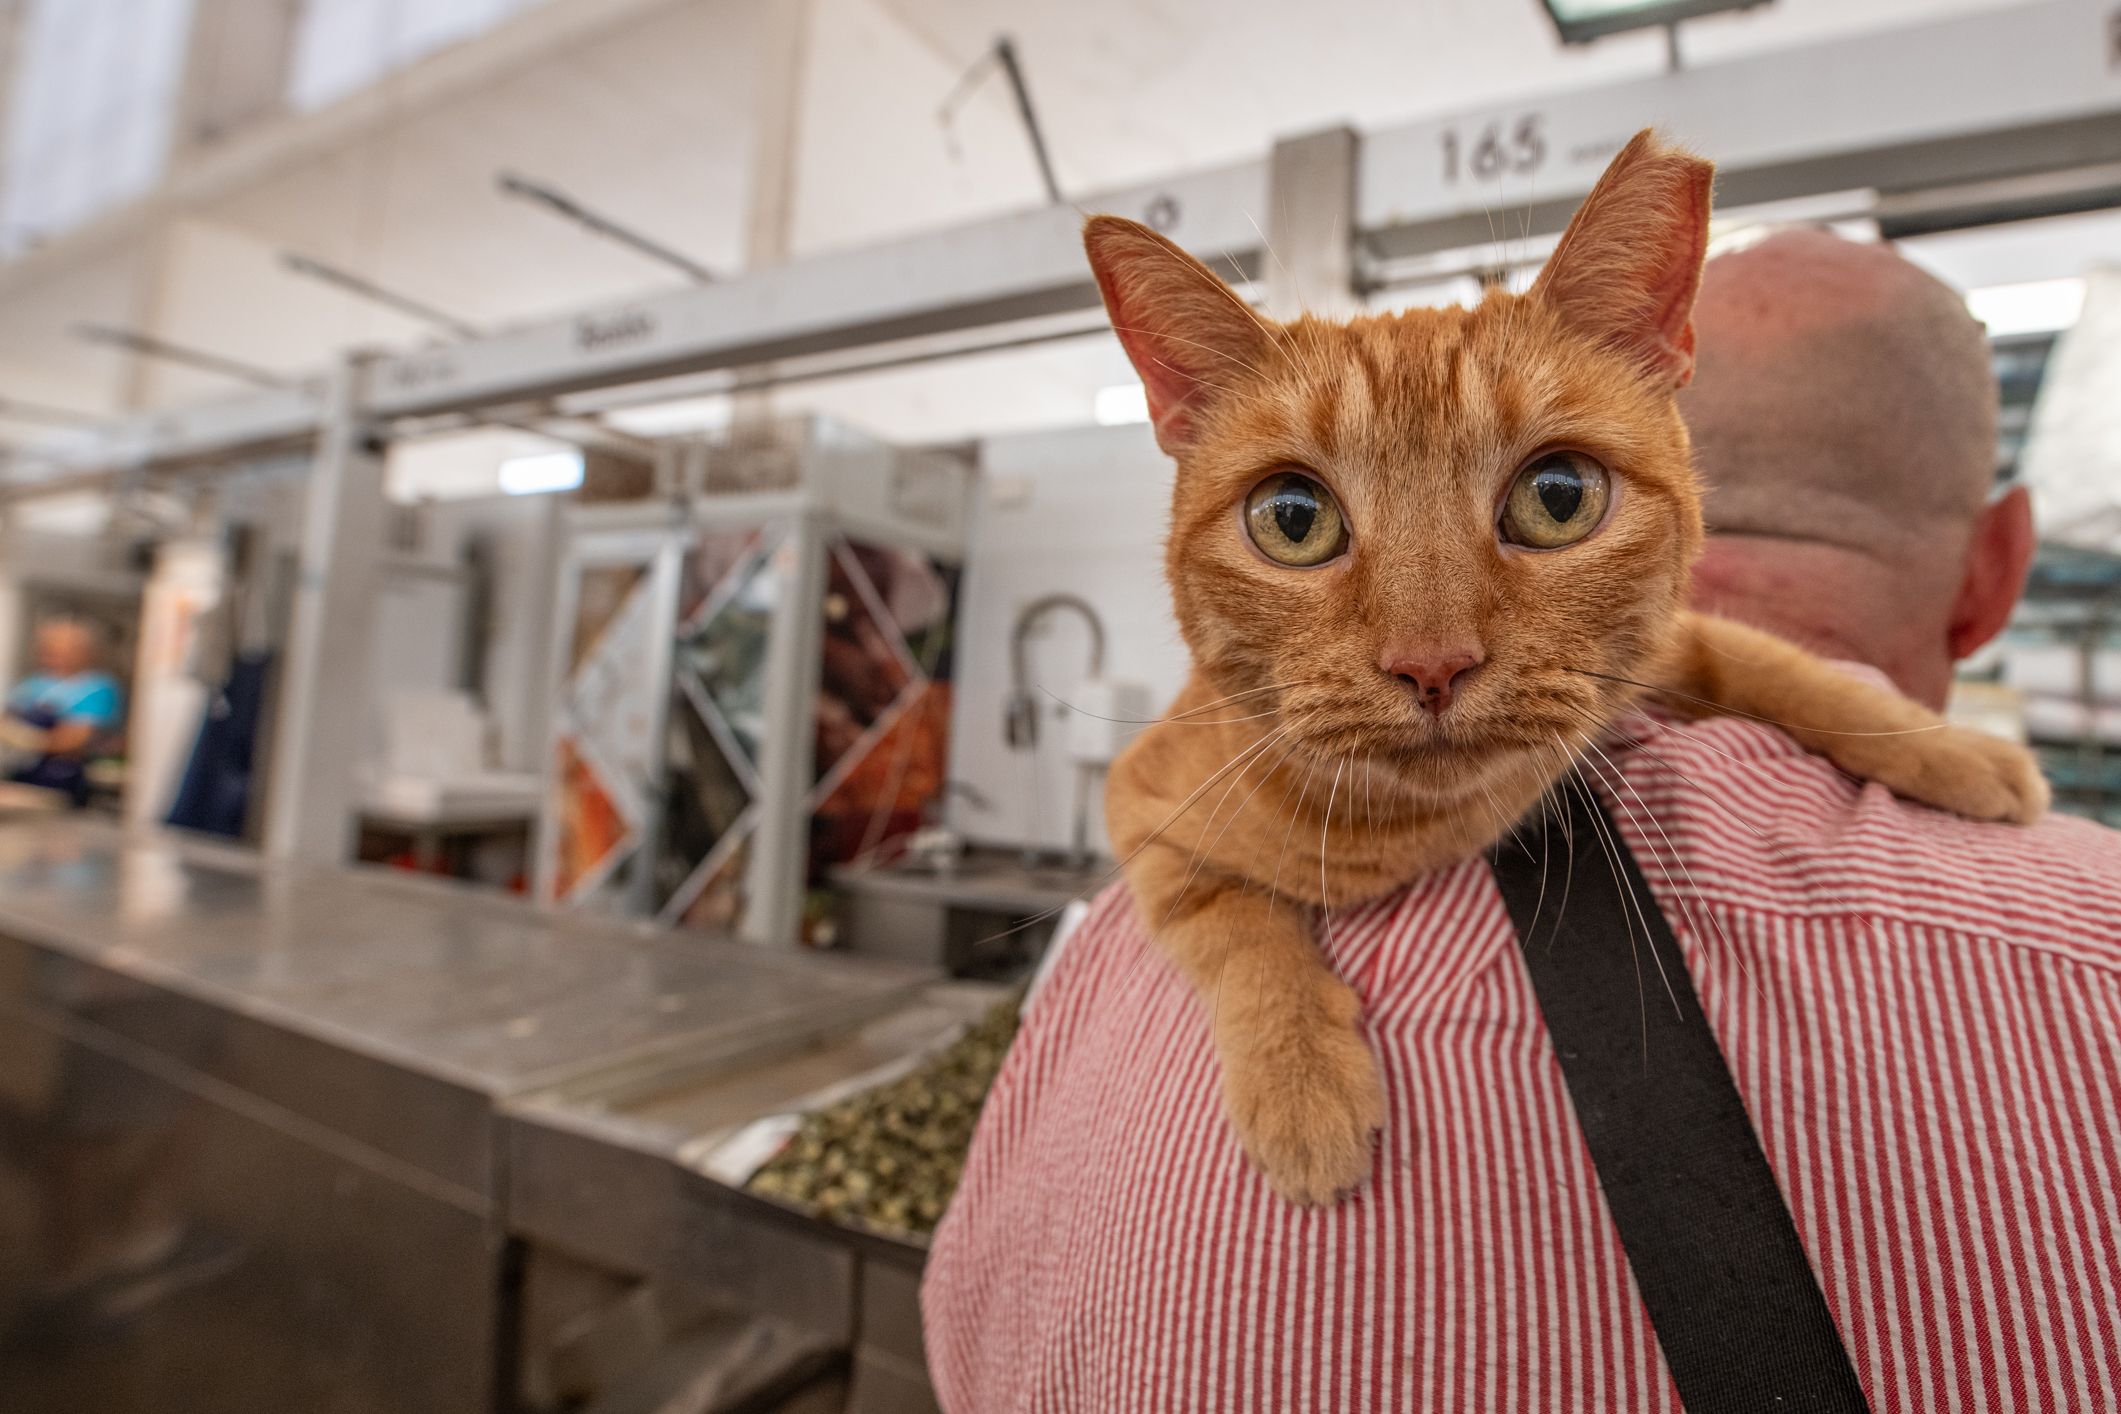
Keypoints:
pixel 1436 761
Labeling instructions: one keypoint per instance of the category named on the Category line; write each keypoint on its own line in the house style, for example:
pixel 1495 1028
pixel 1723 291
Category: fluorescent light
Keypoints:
pixel 2033 307
pixel 546 471
pixel 1581 21
pixel 1121 403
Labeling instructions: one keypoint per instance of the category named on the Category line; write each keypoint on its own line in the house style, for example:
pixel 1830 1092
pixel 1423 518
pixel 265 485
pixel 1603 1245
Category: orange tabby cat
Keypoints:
pixel 1420 560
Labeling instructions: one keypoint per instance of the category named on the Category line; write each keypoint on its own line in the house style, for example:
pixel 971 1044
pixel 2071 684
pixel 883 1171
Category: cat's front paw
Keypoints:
pixel 1306 1103
pixel 1967 772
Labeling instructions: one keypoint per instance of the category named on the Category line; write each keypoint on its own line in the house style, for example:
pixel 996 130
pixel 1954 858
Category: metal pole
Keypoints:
pixel 1005 55
pixel 558 202
pixel 320 722
pixel 17 411
pixel 360 288
pixel 148 346
pixel 1311 226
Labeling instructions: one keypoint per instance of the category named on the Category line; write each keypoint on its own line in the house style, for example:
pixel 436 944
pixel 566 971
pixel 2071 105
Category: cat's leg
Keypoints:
pixel 1299 1081
pixel 1866 730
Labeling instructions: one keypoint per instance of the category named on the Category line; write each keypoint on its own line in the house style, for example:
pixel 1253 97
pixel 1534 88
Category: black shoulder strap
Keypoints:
pixel 1715 1254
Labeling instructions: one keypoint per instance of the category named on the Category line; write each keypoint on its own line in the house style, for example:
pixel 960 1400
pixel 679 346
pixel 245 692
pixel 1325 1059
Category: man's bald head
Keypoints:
pixel 1842 395
pixel 1843 412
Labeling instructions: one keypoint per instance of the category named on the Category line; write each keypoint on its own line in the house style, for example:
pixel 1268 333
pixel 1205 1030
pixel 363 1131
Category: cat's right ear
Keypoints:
pixel 1188 334
pixel 1628 268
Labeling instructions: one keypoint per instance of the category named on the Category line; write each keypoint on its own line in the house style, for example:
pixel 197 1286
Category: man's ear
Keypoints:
pixel 1997 561
pixel 1628 268
pixel 1188 334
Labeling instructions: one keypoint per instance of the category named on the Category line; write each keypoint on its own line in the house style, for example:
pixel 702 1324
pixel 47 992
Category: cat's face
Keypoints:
pixel 1424 529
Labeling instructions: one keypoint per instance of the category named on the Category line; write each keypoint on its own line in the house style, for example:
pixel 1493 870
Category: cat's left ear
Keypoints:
pixel 1628 268
pixel 1188 334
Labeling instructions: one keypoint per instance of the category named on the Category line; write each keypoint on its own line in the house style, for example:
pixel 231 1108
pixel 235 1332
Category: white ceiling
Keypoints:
pixel 655 124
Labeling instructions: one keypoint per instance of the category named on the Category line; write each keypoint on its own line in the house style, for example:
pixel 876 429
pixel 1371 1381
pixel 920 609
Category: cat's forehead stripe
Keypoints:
pixel 1356 407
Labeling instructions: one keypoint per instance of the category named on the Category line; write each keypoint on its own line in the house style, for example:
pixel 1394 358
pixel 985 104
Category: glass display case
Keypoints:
pixel 754 682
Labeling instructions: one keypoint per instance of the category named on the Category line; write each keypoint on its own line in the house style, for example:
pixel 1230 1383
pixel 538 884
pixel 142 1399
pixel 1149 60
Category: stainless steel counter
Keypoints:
pixel 959 917
pixel 251 1140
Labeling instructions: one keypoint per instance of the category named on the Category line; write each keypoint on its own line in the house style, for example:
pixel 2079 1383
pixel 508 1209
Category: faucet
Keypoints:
pixel 1020 717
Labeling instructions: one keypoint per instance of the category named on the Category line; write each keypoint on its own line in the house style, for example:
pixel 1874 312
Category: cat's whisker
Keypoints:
pixel 1202 852
pixel 1274 887
pixel 1369 783
pixel 1309 362
pixel 1568 841
pixel 1545 855
pixel 1767 841
pixel 1531 195
pixel 1183 718
pixel 1189 377
pixel 1627 897
pixel 1502 252
pixel 1723 710
pixel 1325 898
pixel 1503 821
pixel 1222 967
pixel 1281 806
pixel 1223 290
pixel 1617 778
pixel 1249 692
pixel 1153 836
pixel 1224 354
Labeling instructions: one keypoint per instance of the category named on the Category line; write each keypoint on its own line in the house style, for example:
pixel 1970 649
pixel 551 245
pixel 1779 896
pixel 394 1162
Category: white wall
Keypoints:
pixel 1081 511
pixel 189 578
pixel 523 534
pixel 420 621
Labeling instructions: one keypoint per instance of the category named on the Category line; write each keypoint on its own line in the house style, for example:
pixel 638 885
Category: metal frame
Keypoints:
pixel 1978 117
pixel 320 723
pixel 1963 101
pixel 648 542
pixel 1648 17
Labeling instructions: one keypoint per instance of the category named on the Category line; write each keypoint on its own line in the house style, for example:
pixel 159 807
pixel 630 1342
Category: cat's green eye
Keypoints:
pixel 1295 521
pixel 1555 501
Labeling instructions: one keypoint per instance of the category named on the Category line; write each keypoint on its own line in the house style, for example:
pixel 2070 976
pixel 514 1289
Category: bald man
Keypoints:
pixel 1921 1014
pixel 1843 412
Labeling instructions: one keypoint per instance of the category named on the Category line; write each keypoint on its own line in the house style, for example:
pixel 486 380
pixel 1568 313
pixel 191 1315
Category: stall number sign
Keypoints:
pixel 1503 148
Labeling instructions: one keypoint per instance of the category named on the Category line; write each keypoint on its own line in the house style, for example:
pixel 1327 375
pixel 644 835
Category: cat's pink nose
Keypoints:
pixel 1434 672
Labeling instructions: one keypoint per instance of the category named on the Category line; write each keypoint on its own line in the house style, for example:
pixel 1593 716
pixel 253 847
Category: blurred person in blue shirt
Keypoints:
pixel 63 714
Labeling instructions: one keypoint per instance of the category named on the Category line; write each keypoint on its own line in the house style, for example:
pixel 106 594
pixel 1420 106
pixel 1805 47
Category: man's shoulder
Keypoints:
pixel 1765 826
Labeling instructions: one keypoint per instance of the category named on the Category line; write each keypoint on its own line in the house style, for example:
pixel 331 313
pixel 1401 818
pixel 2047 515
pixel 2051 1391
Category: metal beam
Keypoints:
pixel 560 204
pixel 1957 100
pixel 989 272
pixel 1958 103
pixel 149 346
pixel 1995 93
pixel 226 429
pixel 361 287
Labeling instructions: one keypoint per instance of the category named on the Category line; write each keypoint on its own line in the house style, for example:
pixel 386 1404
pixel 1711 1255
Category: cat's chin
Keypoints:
pixel 1436 770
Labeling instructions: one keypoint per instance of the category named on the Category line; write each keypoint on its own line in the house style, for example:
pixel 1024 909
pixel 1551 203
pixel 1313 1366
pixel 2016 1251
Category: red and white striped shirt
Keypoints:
pixel 1924 1018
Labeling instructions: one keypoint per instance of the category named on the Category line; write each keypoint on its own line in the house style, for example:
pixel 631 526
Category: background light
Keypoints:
pixel 1581 21
pixel 2033 307
pixel 546 471
pixel 1121 403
